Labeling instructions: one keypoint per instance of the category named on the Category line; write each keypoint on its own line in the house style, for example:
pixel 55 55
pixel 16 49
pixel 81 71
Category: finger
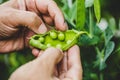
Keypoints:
pixel 31 6
pixel 48 20
pixel 55 71
pixel 57 16
pixel 21 4
pixel 51 57
pixel 67 79
pixel 11 45
pixel 27 35
pixel 74 63
pixel 35 52
pixel 51 8
pixel 73 56
pixel 7 31
pixel 11 3
pixel 40 53
pixel 29 19
pixel 62 66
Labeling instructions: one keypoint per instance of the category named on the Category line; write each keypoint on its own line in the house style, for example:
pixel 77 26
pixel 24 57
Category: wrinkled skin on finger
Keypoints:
pixel 20 19
pixel 52 64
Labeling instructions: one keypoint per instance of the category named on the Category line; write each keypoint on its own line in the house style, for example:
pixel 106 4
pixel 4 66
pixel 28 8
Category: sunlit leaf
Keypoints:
pixel 108 35
pixel 80 14
pixel 109 48
pixel 89 3
pixel 100 59
pixel 97 10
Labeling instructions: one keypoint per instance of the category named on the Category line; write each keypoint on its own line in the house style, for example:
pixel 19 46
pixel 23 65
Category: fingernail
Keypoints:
pixel 60 50
pixel 42 28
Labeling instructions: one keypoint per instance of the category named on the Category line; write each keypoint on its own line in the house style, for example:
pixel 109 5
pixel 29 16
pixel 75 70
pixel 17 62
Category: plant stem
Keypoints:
pixel 90 22
pixel 101 76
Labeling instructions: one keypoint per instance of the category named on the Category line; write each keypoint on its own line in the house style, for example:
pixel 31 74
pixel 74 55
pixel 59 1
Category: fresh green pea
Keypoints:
pixel 64 40
pixel 61 36
pixel 53 35
pixel 48 45
pixel 69 41
pixel 59 46
pixel 41 39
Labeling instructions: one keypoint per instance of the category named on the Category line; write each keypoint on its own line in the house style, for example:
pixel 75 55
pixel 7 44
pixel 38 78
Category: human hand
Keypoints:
pixel 19 19
pixel 43 67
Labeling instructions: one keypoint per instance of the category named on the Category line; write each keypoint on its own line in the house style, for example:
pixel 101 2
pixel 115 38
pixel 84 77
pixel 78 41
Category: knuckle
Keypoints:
pixel 10 13
pixel 34 20
pixel 55 50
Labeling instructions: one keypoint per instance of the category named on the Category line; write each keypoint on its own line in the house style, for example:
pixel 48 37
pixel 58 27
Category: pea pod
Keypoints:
pixel 58 39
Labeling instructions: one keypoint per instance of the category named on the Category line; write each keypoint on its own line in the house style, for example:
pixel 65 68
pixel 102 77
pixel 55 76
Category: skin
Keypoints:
pixel 68 66
pixel 19 19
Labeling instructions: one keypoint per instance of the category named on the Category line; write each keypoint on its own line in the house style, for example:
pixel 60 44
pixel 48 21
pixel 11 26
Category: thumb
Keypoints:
pixel 51 57
pixel 29 19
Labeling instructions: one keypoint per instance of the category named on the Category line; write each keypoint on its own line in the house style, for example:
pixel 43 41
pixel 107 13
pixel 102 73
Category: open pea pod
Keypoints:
pixel 58 39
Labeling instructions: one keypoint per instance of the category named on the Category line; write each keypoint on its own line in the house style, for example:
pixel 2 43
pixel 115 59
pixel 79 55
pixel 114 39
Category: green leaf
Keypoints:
pixel 112 24
pixel 108 35
pixel 80 14
pixel 89 3
pixel 100 59
pixel 94 76
pixel 97 10
pixel 73 12
pixel 85 40
pixel 109 48
pixel 70 12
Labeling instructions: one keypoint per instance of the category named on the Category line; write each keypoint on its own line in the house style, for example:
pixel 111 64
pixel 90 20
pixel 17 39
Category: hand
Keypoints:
pixel 19 19
pixel 43 67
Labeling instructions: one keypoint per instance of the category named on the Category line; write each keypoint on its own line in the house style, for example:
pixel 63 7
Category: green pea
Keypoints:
pixel 41 39
pixel 69 41
pixel 65 39
pixel 53 35
pixel 59 46
pixel 48 45
pixel 61 36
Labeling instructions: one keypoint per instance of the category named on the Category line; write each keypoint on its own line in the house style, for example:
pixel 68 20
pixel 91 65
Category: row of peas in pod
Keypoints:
pixel 63 40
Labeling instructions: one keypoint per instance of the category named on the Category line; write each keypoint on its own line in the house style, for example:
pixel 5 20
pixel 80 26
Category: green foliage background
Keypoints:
pixel 100 54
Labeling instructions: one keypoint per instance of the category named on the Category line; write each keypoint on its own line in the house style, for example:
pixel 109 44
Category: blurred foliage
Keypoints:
pixel 1 1
pixel 11 61
pixel 100 54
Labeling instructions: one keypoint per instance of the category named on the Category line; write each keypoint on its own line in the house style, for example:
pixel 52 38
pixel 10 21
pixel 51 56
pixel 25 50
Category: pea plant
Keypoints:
pixel 99 48
pixel 84 16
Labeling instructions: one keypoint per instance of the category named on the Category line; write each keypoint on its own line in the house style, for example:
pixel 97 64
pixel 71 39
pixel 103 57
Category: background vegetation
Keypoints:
pixel 100 54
